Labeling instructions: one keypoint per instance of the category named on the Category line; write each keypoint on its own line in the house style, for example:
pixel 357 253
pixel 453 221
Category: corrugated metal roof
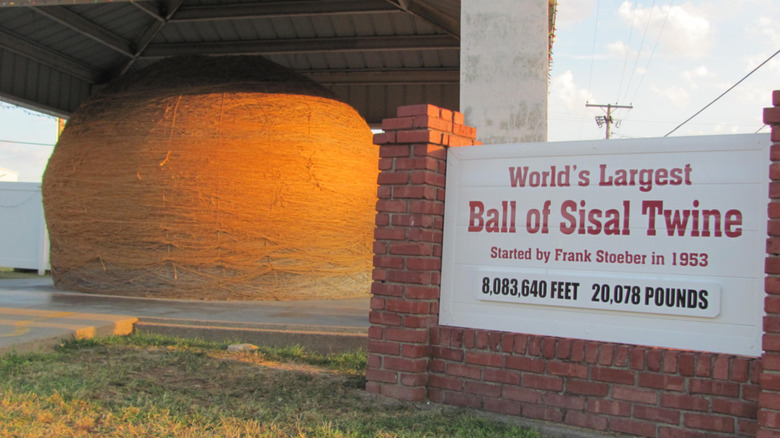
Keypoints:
pixel 375 54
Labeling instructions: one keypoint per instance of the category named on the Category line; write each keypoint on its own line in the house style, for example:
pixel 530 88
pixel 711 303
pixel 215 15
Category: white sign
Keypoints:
pixel 655 242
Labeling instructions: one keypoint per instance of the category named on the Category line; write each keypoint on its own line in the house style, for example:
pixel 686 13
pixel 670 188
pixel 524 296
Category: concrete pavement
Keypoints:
pixel 34 315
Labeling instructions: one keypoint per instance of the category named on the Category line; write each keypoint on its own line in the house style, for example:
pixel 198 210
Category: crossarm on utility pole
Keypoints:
pixel 608 118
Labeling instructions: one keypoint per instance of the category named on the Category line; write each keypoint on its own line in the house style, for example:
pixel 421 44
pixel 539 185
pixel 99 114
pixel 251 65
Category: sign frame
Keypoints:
pixel 725 173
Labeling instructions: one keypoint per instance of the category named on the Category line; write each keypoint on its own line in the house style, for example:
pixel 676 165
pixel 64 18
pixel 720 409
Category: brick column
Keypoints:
pixel 769 399
pixel 407 248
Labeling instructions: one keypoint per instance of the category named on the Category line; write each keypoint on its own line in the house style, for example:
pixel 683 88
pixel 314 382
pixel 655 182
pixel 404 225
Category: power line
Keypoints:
pixel 652 54
pixel 592 58
pixel 639 52
pixel 12 107
pixel 723 94
pixel 593 50
pixel 26 142
pixel 628 49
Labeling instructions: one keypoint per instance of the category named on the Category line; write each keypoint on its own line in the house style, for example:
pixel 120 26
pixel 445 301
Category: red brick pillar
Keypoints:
pixel 407 248
pixel 769 399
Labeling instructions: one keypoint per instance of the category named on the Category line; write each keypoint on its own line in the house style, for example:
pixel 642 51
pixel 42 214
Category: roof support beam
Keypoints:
pixel 151 9
pixel 433 16
pixel 385 77
pixel 48 57
pixel 36 3
pixel 307 45
pixel 278 9
pixel 150 32
pixel 87 28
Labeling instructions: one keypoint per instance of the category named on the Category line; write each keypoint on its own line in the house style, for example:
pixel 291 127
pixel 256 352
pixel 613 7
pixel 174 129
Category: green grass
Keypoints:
pixel 147 385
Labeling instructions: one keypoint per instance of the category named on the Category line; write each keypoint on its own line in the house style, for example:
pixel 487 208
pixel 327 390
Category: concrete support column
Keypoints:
pixel 504 69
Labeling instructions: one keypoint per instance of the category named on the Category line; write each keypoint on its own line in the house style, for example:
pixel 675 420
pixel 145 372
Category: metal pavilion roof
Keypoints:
pixel 374 54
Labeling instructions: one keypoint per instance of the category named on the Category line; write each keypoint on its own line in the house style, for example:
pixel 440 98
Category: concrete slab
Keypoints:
pixel 26 330
pixel 35 315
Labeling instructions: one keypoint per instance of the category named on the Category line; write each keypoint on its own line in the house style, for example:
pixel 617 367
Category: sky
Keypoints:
pixel 26 141
pixel 666 58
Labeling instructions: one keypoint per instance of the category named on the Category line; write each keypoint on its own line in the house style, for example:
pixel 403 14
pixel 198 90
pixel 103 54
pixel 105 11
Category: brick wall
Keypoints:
pixel 619 388
pixel 407 250
pixel 769 400
pixel 609 387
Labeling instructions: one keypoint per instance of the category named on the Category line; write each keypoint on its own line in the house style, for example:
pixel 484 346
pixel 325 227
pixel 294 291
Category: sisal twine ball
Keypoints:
pixel 213 178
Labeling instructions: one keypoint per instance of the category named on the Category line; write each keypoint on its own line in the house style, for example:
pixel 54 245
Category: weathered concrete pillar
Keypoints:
pixel 504 69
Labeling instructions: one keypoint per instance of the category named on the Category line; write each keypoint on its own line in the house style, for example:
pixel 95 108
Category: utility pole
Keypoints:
pixel 607 120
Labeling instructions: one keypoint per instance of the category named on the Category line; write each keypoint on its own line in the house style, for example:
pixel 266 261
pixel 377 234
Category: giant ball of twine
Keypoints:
pixel 210 178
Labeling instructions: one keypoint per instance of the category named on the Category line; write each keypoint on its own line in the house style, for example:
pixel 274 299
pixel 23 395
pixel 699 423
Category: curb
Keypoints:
pixel 33 330
pixel 318 338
